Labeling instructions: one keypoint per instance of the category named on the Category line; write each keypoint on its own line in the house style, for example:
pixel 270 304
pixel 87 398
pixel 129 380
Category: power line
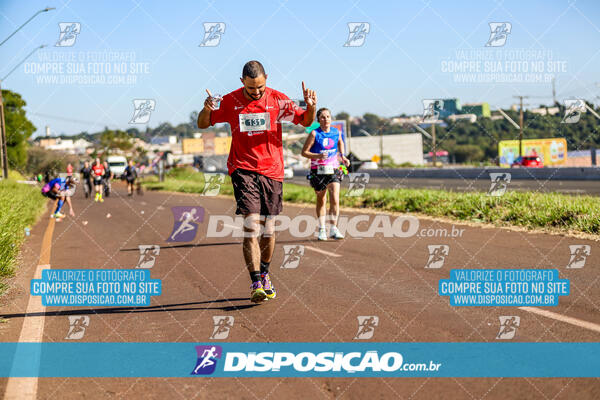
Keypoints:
pixel 73 120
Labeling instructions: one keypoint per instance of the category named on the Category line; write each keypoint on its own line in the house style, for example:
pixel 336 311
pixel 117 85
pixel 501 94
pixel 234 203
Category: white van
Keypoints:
pixel 117 164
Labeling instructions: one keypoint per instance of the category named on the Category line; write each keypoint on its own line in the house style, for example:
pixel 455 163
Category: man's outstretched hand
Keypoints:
pixel 310 96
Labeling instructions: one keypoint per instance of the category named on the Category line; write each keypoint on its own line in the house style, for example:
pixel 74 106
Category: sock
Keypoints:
pixel 59 206
pixel 255 276
pixel 322 222
pixel 264 267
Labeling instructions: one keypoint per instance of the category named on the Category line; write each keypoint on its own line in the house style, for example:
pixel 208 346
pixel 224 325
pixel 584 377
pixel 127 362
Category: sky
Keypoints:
pixel 412 51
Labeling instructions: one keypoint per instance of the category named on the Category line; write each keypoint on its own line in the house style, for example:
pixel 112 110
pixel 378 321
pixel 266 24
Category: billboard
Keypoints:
pixel 192 146
pixel 553 152
pixel 222 145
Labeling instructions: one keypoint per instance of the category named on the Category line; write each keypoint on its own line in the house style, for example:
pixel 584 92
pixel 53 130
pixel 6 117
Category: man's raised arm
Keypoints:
pixel 310 97
pixel 204 115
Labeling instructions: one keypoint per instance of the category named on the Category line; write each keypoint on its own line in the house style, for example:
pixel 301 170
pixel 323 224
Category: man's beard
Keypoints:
pixel 252 97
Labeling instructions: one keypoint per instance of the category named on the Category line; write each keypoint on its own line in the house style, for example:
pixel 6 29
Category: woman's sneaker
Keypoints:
pixel 258 293
pixel 335 233
pixel 268 286
pixel 322 234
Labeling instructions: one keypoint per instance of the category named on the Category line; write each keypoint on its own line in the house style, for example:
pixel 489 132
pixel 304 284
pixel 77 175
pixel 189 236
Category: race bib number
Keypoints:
pixel 255 122
pixel 324 170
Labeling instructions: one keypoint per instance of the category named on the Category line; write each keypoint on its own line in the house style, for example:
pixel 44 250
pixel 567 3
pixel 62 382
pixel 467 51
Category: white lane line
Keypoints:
pixel 32 331
pixel 327 253
pixel 563 318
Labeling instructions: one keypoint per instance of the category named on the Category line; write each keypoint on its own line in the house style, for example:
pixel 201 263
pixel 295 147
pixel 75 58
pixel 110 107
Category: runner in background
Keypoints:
pixel 130 175
pixel 86 176
pixel 60 189
pixel 97 174
pixel 106 179
pixel 325 148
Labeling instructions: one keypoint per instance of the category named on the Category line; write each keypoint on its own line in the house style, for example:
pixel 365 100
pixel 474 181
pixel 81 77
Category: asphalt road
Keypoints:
pixel 318 301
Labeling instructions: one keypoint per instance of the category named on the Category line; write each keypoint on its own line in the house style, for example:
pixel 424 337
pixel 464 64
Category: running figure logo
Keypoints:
pixel 500 181
pixel 186 220
pixel 358 182
pixel 207 359
pixel 223 325
pixel 287 110
pixel 366 326
pixel 68 33
pixel 431 109
pixel 579 254
pixel 142 110
pixel 291 255
pixel 437 255
pixel 212 34
pixel 498 34
pixel 358 33
pixel 212 184
pixel 508 327
pixel 573 110
pixel 77 326
pixel 148 254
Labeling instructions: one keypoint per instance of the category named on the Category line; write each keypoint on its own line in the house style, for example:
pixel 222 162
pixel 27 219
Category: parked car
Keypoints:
pixel 369 165
pixel 528 162
pixel 288 172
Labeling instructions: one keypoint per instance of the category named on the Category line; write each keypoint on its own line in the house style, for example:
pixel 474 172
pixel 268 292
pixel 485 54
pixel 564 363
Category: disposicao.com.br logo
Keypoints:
pixel 325 363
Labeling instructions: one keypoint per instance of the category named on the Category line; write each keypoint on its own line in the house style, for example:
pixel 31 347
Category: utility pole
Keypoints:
pixel 554 91
pixel 4 157
pixel 521 124
pixel 433 145
pixel 380 148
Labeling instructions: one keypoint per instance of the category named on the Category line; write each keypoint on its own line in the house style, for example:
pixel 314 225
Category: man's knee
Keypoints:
pixel 252 226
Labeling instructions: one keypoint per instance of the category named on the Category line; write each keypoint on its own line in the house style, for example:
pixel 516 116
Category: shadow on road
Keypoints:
pixel 187 245
pixel 123 310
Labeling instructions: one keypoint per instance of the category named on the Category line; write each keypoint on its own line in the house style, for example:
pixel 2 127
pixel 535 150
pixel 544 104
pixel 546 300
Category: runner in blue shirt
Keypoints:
pixel 60 189
pixel 325 148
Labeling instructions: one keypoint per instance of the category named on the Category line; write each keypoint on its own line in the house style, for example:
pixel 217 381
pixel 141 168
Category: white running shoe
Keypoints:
pixel 335 233
pixel 322 234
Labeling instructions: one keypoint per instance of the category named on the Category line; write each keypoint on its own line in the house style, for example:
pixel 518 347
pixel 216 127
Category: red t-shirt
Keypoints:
pixel 256 143
pixel 98 170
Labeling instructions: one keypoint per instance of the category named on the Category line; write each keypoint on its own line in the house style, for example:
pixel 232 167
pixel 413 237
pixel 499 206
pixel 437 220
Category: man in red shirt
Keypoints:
pixel 255 113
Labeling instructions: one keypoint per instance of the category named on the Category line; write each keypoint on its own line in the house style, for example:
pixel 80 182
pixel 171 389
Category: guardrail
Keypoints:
pixel 558 174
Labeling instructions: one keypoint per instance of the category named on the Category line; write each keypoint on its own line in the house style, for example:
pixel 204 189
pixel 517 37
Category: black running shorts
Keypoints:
pixel 320 182
pixel 256 193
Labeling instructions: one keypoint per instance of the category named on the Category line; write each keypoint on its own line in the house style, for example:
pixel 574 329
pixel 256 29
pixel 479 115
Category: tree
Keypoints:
pixel 343 116
pixel 18 129
pixel 110 139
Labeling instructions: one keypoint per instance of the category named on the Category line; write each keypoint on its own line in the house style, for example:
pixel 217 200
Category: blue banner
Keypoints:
pixel 95 287
pixel 300 359
pixel 504 287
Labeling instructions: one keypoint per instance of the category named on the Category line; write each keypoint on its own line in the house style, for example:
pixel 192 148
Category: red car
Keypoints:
pixel 528 162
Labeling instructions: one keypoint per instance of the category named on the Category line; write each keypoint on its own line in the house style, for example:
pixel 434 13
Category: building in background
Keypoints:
pixel 479 109
pixel 402 148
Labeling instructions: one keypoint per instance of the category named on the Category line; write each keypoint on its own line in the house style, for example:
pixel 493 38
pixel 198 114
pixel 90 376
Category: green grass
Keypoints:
pixel 525 209
pixel 20 206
